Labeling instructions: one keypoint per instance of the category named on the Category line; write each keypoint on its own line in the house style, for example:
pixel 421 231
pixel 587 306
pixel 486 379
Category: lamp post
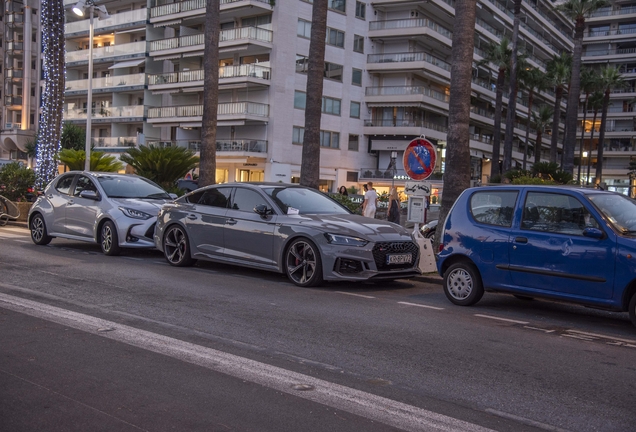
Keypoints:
pixel 394 168
pixel 79 9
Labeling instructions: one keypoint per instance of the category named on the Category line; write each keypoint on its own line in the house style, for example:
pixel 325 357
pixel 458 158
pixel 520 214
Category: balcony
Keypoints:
pixel 107 84
pixel 407 27
pixel 107 114
pixel 109 53
pixel 226 75
pixel 133 18
pixel 188 8
pixel 222 146
pixel 406 61
pixel 114 144
pixel 376 174
pixel 233 112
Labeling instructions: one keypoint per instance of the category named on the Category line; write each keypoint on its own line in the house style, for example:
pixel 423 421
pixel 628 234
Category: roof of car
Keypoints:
pixel 576 188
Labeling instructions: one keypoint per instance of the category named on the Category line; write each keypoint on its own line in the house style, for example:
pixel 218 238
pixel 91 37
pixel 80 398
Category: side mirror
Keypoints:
pixel 593 233
pixel 89 194
pixel 262 210
pixel 174 196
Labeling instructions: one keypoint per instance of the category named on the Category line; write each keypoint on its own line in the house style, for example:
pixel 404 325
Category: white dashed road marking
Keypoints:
pixel 421 305
pixel 501 319
pixel 355 295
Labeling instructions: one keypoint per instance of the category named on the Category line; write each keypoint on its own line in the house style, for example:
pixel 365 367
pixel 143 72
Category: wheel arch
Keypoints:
pixel 630 290
pixel 459 259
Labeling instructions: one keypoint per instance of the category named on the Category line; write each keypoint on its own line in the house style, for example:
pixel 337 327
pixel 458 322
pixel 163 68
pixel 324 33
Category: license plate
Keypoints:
pixel 398 259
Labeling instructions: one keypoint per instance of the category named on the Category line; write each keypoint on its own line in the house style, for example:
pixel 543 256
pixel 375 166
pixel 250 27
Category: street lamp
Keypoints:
pixel 79 9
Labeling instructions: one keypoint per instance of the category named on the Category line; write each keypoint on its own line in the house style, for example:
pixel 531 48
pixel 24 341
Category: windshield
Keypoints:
pixel 131 187
pixel 618 209
pixel 298 200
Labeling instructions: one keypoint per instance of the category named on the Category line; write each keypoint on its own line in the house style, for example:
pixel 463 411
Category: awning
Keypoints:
pixel 167 23
pixel 190 125
pixel 193 54
pixel 129 63
pixel 168 57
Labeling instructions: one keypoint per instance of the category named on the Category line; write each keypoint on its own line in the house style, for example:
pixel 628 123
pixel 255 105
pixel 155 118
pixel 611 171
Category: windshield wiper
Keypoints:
pixel 158 196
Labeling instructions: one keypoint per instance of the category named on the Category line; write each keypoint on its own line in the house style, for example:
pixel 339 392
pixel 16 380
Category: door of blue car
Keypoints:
pixel 550 250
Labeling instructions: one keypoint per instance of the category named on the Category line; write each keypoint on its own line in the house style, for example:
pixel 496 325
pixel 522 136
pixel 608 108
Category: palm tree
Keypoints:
pixel 589 83
pixel 498 54
pixel 595 102
pixel 541 121
pixel 100 161
pixel 163 165
pixel 457 174
pixel 559 76
pixel 512 94
pixel 53 63
pixel 531 80
pixel 207 168
pixel 576 10
pixel 609 78
pixel 73 137
pixel 310 164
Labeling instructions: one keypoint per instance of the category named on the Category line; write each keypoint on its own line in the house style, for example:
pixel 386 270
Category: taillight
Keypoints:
pixel 441 247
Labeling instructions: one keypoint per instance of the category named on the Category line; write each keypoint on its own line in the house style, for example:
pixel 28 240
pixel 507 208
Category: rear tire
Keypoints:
pixel 39 235
pixel 632 309
pixel 109 239
pixel 462 284
pixel 176 247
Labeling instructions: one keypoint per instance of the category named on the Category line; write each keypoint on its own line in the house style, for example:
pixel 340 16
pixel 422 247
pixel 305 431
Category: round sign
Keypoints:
pixel 419 159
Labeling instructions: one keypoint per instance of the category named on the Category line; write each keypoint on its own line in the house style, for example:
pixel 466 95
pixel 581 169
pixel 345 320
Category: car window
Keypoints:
pixel 84 183
pixel 121 186
pixel 618 209
pixel 64 184
pixel 493 207
pixel 299 200
pixel 246 200
pixel 556 213
pixel 216 197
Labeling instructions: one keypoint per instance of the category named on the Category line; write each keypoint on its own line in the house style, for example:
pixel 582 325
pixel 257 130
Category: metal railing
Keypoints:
pixel 408 57
pixel 107 82
pixel 106 52
pixel 229 108
pixel 236 145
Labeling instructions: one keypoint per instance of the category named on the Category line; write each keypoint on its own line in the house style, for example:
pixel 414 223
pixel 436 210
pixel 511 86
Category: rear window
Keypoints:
pixel 493 207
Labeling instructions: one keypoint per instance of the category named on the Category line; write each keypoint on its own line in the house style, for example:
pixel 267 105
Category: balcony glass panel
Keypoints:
pixel 108 82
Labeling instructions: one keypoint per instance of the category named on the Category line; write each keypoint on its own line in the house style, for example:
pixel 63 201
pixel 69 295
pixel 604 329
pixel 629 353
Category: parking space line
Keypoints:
pixel 421 305
pixel 501 319
pixel 133 258
pixel 595 335
pixel 355 295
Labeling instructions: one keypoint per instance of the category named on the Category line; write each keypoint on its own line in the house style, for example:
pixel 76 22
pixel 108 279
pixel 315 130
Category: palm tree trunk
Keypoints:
pixel 573 98
pixel 310 164
pixel 537 147
pixel 582 137
pixel 496 143
pixel 512 97
pixel 601 139
pixel 589 157
pixel 457 174
pixel 555 125
pixel 207 164
pixel 530 100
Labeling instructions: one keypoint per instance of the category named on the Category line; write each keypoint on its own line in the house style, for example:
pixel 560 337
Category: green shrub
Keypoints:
pixel 15 181
pixel 347 202
pixel 527 180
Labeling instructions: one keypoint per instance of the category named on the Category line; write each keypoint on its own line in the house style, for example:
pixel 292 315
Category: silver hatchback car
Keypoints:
pixel 114 210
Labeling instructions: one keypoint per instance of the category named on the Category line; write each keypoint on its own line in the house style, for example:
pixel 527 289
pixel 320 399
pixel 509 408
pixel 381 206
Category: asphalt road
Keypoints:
pixel 90 342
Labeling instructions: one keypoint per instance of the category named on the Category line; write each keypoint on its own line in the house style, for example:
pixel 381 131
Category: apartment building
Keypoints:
pixel 610 39
pixel 387 76
pixel 20 72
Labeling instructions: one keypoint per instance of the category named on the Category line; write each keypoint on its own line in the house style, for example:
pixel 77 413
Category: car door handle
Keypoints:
pixel 521 240
pixel 231 221
pixel 192 217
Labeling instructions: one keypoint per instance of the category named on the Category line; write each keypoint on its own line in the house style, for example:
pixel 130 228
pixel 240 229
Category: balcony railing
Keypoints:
pixel 178 42
pixel 138 16
pixel 163 9
pixel 408 57
pixel 237 145
pixel 618 51
pixel 406 123
pixel 617 32
pixel 110 142
pixel 406 90
pixel 134 111
pixel 246 70
pixel 228 108
pixel 253 33
pixel 375 173
pixel 410 23
pixel 106 52
pixel 605 12
pixel 111 82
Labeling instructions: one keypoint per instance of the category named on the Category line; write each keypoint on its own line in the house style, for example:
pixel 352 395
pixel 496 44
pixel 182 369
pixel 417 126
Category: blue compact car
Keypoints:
pixel 565 243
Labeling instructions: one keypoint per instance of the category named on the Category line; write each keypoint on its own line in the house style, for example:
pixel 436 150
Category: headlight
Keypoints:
pixel 135 214
pixel 338 239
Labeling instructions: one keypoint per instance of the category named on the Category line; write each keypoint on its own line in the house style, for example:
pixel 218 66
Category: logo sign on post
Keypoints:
pixel 420 157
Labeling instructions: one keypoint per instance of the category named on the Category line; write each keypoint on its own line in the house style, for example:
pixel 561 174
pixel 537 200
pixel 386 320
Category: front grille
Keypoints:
pixel 381 250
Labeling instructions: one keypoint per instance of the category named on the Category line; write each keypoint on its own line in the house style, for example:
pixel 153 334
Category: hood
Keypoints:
pixel 354 225
pixel 150 206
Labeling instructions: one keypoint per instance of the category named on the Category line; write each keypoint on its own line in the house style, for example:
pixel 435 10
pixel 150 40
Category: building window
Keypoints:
pixel 354 143
pixel 331 106
pixel 335 37
pixel 304 28
pixel 361 10
pixel 358 43
pixel 338 5
pixel 300 100
pixel 333 71
pixel 356 77
pixel 354 110
pixel 298 134
pixel 352 176
pixel 302 63
pixel 329 139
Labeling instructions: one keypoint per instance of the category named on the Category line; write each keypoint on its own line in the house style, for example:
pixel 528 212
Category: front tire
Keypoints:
pixel 632 309
pixel 462 284
pixel 303 264
pixel 109 239
pixel 176 247
pixel 39 235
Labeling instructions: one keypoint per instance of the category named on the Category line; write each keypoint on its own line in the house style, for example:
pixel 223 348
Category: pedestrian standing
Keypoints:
pixel 394 207
pixel 343 191
pixel 370 201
